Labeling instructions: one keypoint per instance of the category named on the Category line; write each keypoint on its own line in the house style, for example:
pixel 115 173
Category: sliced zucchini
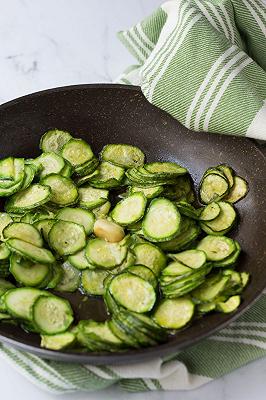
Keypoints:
pixel 110 176
pixel 149 193
pixel 19 301
pixel 57 273
pixel 26 232
pixel 93 282
pixel 44 226
pixel 4 253
pixel 165 168
pixel 213 187
pixel 51 163
pixel 144 273
pixel 217 248
pixel 5 219
pixel 79 216
pixel 67 237
pixel 162 220
pixel 77 152
pixel 229 305
pixel 151 256
pixel 63 190
pixel 183 240
pixel 210 212
pixel 175 269
pixel 91 198
pixel 54 140
pixel 27 199
pixel 238 191
pixel 79 260
pixel 228 172
pixel 28 273
pixel 70 280
pixel 132 292
pixel 52 315
pixel 129 210
pixel 223 223
pixel 211 288
pixel 187 209
pixel 28 177
pixel 123 155
pixel 191 258
pixel 67 171
pixel 102 211
pixel 87 171
pixel 98 336
pixel 7 169
pixel 174 313
pixel 59 341
pixel 204 308
pixel 30 252
pixel 5 286
pixel 230 260
pixel 104 254
pixel 244 278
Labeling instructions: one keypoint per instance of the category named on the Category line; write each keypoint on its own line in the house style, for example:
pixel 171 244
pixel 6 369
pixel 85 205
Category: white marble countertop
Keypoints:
pixel 52 43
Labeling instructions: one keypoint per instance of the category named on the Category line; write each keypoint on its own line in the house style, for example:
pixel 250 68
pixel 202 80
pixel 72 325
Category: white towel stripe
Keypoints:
pixel 207 15
pixel 249 324
pixel 132 44
pixel 139 42
pixel 259 8
pixel 220 19
pixel 256 17
pixel 189 26
pixel 213 87
pixel 222 90
pixel 144 36
pixel 229 23
pixel 245 332
pixel 252 342
pixel 162 54
pixel 204 84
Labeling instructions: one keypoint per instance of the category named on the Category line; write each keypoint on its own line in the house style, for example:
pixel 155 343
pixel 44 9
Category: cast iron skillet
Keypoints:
pixel 120 114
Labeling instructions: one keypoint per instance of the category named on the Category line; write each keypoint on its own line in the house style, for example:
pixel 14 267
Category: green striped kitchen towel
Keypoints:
pixel 204 62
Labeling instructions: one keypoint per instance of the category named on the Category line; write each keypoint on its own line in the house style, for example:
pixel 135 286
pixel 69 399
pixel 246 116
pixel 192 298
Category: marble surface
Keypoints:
pixel 61 42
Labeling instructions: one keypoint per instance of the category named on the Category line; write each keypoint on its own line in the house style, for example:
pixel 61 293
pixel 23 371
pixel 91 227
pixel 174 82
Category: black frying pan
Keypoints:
pixel 120 114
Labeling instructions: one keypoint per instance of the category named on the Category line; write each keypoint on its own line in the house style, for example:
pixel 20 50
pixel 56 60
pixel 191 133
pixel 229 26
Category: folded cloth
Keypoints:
pixel 241 342
pixel 177 32
pixel 204 62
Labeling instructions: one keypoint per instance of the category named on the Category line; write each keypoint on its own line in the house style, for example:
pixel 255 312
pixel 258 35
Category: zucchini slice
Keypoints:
pixel 229 305
pixel 211 288
pixel 93 282
pixel 187 209
pixel 59 341
pixel 223 223
pixel 144 273
pixel 217 248
pixel 79 260
pixel 123 155
pixel 109 176
pixel 27 273
pixel 57 273
pixel 67 237
pixel 19 301
pixel 149 192
pixel 77 152
pixel 54 140
pixel 51 163
pixel 7 169
pixel 150 256
pixel 5 286
pixel 102 211
pixel 165 168
pixel 79 216
pixel 30 252
pixel 91 198
pixel 162 220
pixel 174 313
pixel 26 232
pixel 63 190
pixel 132 292
pixel 4 253
pixel 5 219
pixel 238 191
pixel 213 187
pixel 52 315
pixel 191 258
pixel 28 177
pixel 27 199
pixel 70 279
pixel 129 210
pixel 210 212
pixel 44 226
pixel 228 172
pixel 97 336
pixel 104 254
